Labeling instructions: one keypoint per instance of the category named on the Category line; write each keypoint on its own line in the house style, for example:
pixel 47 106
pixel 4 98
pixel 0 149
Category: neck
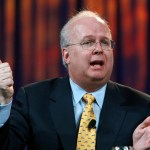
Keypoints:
pixel 90 86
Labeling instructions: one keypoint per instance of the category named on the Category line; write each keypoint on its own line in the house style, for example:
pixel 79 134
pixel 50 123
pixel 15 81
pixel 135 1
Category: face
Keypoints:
pixel 89 66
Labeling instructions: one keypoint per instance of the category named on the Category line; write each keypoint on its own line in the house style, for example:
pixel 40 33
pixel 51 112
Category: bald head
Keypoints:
pixel 68 27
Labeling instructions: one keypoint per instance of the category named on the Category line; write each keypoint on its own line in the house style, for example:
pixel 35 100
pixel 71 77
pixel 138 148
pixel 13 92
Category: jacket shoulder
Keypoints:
pixel 44 86
pixel 130 93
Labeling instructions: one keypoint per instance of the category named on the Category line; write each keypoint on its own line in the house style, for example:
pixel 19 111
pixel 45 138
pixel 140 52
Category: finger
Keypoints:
pixel 0 61
pixel 5 68
pixel 6 83
pixel 3 65
pixel 145 123
pixel 7 92
pixel 6 76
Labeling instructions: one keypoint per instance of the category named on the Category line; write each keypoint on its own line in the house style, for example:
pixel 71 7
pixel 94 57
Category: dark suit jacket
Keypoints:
pixel 42 117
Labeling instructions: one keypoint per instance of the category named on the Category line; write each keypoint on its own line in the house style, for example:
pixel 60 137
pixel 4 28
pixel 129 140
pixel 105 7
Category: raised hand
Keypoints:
pixel 141 136
pixel 6 83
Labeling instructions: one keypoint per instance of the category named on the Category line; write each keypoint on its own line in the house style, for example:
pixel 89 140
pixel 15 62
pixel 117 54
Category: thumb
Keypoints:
pixel 145 123
pixel 0 61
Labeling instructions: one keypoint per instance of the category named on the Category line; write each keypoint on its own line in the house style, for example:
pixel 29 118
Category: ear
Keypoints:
pixel 65 55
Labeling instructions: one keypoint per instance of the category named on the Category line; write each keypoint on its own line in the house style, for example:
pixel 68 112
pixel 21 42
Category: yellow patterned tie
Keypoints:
pixel 87 136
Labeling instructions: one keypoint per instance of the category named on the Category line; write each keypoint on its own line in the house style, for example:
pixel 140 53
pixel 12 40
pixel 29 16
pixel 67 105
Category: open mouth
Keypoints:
pixel 97 63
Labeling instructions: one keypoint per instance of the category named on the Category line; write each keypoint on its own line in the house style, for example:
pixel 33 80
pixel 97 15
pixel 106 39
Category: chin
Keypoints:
pixel 98 78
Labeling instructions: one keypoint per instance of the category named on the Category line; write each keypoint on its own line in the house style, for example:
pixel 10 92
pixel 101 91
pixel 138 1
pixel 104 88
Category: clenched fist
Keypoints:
pixel 6 83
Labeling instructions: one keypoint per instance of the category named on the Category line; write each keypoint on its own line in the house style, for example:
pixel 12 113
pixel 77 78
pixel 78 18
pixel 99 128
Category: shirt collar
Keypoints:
pixel 78 92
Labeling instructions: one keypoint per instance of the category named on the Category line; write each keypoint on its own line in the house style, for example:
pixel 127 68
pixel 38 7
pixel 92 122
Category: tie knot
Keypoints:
pixel 89 98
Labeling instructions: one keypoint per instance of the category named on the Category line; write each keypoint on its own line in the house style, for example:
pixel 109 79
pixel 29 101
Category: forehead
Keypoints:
pixel 89 26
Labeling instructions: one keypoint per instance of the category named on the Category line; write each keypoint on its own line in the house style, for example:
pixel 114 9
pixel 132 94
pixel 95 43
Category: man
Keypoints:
pixel 46 115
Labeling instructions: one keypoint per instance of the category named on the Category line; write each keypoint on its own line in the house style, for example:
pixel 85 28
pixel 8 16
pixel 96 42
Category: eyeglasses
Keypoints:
pixel 105 44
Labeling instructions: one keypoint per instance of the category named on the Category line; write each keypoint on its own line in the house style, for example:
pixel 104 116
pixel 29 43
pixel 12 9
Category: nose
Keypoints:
pixel 98 49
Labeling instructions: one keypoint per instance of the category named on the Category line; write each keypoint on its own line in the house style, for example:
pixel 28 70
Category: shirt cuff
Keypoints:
pixel 5 113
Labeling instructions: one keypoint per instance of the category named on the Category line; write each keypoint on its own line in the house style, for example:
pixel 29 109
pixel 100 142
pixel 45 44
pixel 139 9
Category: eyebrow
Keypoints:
pixel 93 37
pixel 88 36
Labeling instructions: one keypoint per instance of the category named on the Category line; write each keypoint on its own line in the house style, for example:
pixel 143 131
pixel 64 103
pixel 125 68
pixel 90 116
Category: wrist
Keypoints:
pixel 4 101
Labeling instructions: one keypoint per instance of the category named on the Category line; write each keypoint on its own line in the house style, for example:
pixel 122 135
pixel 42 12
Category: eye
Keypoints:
pixel 88 43
pixel 105 42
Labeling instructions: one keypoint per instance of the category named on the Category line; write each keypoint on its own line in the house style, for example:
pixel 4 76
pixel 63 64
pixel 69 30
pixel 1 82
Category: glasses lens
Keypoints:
pixel 88 44
pixel 106 44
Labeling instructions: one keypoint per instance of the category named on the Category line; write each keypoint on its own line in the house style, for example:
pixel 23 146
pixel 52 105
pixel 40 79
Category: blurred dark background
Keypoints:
pixel 29 37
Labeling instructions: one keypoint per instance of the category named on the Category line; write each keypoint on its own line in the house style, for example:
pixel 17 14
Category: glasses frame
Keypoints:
pixel 81 44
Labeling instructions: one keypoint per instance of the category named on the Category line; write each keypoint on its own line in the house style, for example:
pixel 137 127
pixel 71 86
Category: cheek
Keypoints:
pixel 110 60
pixel 79 58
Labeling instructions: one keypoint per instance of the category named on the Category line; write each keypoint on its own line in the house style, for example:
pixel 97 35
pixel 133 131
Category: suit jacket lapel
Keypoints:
pixel 111 118
pixel 61 109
